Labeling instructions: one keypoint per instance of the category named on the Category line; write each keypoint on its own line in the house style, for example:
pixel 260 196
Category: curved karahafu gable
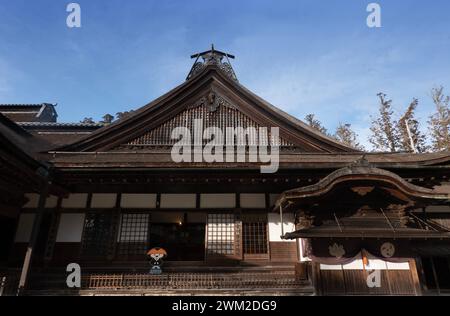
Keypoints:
pixel 360 201
pixel 215 88
pixel 352 176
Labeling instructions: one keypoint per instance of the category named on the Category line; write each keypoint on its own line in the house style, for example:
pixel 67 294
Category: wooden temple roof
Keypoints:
pixel 212 93
pixel 211 88
pixel 20 170
pixel 59 134
pixel 43 112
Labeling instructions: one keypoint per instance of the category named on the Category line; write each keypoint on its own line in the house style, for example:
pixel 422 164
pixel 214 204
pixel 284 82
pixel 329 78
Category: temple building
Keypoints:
pixel 330 220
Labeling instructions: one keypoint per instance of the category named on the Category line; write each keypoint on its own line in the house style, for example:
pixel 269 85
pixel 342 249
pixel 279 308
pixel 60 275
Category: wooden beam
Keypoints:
pixel 33 239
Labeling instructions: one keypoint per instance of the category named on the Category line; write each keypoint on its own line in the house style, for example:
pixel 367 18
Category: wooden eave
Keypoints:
pixel 162 159
pixel 404 233
pixel 18 165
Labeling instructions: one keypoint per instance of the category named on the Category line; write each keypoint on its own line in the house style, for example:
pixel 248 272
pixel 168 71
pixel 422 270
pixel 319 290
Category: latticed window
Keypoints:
pixel 220 234
pixel 97 234
pixel 133 237
pixel 254 234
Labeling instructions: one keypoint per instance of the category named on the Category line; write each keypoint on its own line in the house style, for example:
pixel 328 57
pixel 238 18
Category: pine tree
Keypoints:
pixel 439 123
pixel 384 134
pixel 107 119
pixel 414 135
pixel 87 120
pixel 315 123
pixel 347 136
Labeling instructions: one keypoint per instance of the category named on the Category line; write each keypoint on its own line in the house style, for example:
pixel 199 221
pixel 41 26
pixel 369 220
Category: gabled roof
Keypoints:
pixel 43 112
pixel 60 134
pixel 18 106
pixel 57 125
pixel 210 78
pixel 18 167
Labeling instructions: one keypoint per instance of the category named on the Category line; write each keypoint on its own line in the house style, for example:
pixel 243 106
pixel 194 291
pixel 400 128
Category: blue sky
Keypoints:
pixel 302 56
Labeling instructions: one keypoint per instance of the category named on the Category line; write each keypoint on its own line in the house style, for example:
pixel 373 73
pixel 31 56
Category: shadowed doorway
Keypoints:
pixel 183 239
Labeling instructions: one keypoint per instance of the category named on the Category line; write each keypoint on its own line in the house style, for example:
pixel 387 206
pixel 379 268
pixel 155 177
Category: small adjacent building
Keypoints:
pixel 330 220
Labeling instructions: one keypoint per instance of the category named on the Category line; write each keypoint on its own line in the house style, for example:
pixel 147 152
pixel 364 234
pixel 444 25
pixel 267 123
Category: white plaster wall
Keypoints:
pixel 356 264
pixel 33 200
pixel 75 200
pixel 373 264
pixel 24 228
pixel 226 200
pixel 329 267
pixel 275 226
pixel 178 201
pixel 138 201
pixel 251 200
pixel 51 202
pixel 70 228
pixel 398 265
pixel 103 200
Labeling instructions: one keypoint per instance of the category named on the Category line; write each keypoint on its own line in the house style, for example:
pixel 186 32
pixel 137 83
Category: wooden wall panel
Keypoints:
pixel 354 282
pixel 402 282
pixel 283 251
pixel 332 282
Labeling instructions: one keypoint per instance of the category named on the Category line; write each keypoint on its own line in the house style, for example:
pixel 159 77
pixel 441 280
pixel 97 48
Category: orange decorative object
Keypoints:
pixel 157 253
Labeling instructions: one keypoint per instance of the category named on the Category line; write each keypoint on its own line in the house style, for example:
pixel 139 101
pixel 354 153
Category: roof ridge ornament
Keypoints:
pixel 361 162
pixel 212 57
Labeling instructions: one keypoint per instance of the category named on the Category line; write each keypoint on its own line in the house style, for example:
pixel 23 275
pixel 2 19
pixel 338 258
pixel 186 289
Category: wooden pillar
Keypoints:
pixel 33 239
pixel 52 234
pixel 114 229
pixel 282 221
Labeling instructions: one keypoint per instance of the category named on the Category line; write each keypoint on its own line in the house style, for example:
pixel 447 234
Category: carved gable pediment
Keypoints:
pixel 213 111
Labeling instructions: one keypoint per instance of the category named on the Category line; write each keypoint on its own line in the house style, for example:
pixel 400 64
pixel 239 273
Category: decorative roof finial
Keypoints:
pixel 212 57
